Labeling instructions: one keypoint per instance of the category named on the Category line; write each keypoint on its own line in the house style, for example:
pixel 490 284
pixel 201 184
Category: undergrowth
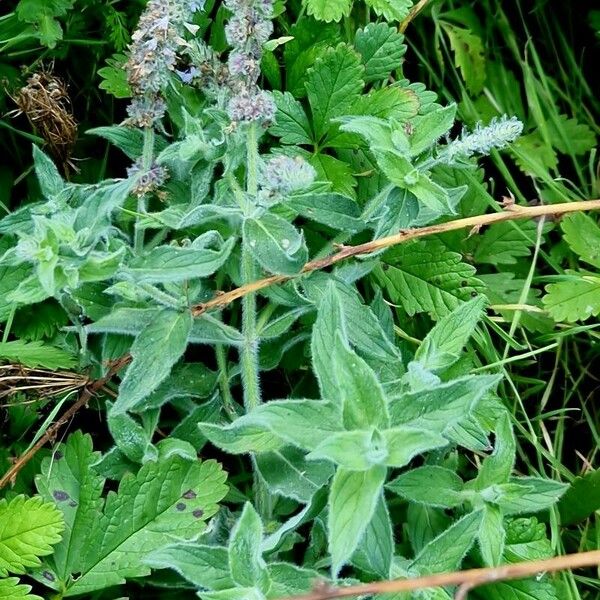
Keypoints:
pixel 418 408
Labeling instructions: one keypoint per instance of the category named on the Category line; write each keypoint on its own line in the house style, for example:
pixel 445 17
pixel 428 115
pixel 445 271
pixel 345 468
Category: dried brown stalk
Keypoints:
pixel 86 395
pixel 414 11
pixel 512 212
pixel 466 580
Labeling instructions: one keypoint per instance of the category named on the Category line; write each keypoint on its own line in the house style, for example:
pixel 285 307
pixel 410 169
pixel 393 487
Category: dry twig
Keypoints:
pixel 466 580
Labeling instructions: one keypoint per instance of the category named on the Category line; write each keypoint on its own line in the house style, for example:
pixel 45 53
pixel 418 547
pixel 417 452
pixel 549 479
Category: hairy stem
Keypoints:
pixel 147 156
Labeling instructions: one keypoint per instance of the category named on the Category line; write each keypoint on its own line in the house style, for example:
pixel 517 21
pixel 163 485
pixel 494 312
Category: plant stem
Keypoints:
pixel 147 155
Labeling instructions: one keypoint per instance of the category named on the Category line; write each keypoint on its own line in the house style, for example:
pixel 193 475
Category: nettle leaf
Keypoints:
pixel 443 344
pixel 525 495
pixel 68 478
pixel 328 10
pixel 11 589
pixel 290 580
pixel 333 210
pixel 246 564
pixel 392 10
pixel 504 243
pixel 36 354
pixel 288 473
pixel 203 566
pixel 170 264
pixel 497 468
pixel 446 552
pixel 570 137
pixel 430 485
pixel 124 320
pixel 241 437
pixel 276 244
pixel 492 536
pixel 381 48
pixel 207 329
pixel 50 180
pixel 168 499
pixel 468 56
pixel 29 527
pixel 582 234
pixel 291 124
pixel 427 277
pixel 353 499
pixel 333 84
pixel 337 172
pixel 154 352
pixel 575 298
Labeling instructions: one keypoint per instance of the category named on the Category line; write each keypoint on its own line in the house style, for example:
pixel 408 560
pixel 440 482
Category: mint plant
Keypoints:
pixel 358 406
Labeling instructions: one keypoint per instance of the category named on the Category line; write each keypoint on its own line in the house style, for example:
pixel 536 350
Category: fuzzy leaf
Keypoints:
pixel 29 527
pixel 352 502
pixel 154 352
pixel 381 48
pixel 429 485
pixel 333 210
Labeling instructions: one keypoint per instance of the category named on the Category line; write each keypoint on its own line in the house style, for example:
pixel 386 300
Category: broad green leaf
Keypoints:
pixel 154 352
pixel 394 102
pixel 582 234
pixel 132 438
pixel 170 264
pixel 337 172
pixel 427 277
pixel 50 180
pixel 526 540
pixel 381 48
pixel 570 137
pixel 376 549
pixel 392 10
pixel 334 83
pixel 404 443
pixel 443 344
pixel 497 468
pixel 533 155
pixel 328 10
pixel 491 536
pixel 281 323
pixel 353 499
pixel 446 552
pixel 11 589
pixel 36 354
pixel 236 593
pixel 505 243
pixel 241 437
pixel 289 580
pixel 287 472
pixel 429 128
pixel 576 298
pixel 203 566
pixel 430 485
pixel 69 480
pixel 361 395
pixel 333 210
pixel 291 124
pixel 276 244
pixel 582 498
pixel 126 321
pixel 526 495
pixel 11 280
pixel 167 500
pixel 352 450
pixel 207 329
pixel 524 589
pixel 29 527
pixel 468 56
pixel 246 564
pixel 129 140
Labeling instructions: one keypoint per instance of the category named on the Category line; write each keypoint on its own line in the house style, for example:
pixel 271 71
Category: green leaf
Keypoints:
pixel 124 320
pixel 582 498
pixel 50 180
pixel 352 502
pixel 525 589
pixel 376 549
pixel 504 243
pixel 237 593
pixel 36 354
pixel 446 552
pixel 246 564
pixel 154 352
pixel 526 495
pixel 291 124
pixel 497 468
pixel 114 79
pixel 333 210
pixel 491 536
pixel 290 580
pixel 429 485
pixel 207 329
pixel 333 84
pixel 132 438
pixel 69 479
pixel 533 155
pixel 127 139
pixel 361 395
pixel 443 344
pixel 328 10
pixel 241 437
pixel 352 450
pixel 287 472
pixel 392 10
pixel 526 540
pixel 570 137
pixel 171 264
pixel 577 298
pixel 11 589
pixel 468 56
pixel 428 128
pixel 427 277
pixel 168 499
pixel 203 566
pixel 582 234
pixel 29 527
pixel 381 48
pixel 275 243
